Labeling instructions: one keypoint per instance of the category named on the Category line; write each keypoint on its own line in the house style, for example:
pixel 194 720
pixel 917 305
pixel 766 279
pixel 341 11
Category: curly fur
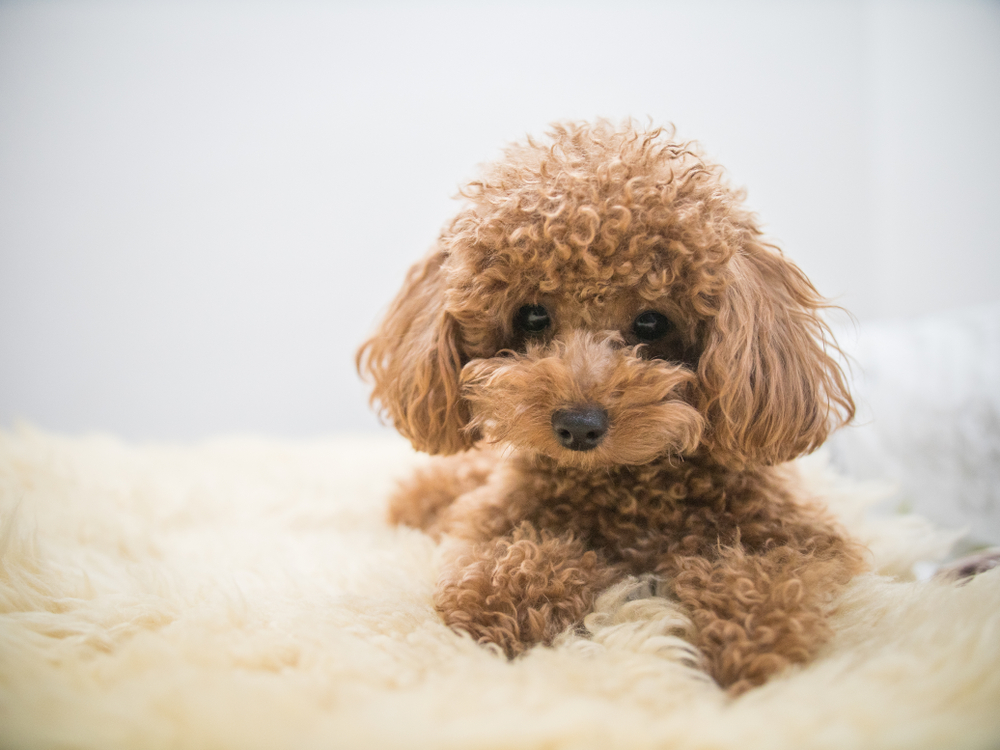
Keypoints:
pixel 599 225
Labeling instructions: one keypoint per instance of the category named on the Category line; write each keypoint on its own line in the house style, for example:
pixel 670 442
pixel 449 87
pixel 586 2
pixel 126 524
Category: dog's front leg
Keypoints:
pixel 756 613
pixel 521 589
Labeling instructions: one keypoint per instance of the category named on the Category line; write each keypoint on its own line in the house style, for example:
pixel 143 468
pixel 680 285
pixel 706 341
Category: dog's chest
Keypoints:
pixel 636 515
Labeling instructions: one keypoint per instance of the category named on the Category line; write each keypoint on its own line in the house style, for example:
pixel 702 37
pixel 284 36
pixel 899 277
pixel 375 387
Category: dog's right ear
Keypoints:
pixel 414 361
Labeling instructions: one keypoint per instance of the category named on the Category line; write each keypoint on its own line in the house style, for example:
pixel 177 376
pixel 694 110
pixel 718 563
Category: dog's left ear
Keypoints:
pixel 772 388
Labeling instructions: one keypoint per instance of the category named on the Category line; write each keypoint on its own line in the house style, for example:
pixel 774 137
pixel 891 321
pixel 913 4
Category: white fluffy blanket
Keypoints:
pixel 247 594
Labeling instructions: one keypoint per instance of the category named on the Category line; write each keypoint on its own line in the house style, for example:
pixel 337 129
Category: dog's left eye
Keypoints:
pixel 651 326
pixel 532 319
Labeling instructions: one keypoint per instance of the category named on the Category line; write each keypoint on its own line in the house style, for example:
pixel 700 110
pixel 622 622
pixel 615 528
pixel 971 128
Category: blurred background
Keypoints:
pixel 204 207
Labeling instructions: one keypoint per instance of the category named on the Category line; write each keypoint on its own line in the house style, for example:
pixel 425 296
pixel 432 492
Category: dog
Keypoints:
pixel 615 366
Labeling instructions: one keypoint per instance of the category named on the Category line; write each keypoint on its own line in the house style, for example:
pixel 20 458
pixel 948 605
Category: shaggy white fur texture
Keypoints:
pixel 247 594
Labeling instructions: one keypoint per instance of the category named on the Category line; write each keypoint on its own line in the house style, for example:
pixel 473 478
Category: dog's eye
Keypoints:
pixel 532 319
pixel 651 326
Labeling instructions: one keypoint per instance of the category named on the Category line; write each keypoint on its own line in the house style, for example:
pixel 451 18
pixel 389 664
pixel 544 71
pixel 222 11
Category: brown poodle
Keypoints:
pixel 604 310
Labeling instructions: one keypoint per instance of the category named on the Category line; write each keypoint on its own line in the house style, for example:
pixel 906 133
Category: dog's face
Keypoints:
pixel 606 300
pixel 589 379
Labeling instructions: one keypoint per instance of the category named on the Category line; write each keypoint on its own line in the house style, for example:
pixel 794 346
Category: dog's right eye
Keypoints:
pixel 532 319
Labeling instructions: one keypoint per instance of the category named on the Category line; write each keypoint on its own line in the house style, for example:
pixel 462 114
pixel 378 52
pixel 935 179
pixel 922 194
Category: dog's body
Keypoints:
pixel 604 309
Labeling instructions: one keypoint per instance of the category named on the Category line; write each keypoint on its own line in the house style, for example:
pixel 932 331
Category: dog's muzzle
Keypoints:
pixel 580 428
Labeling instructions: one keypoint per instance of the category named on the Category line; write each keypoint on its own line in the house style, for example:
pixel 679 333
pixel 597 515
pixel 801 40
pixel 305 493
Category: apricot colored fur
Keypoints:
pixel 599 225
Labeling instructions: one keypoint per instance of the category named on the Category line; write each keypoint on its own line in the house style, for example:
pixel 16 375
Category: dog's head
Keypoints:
pixel 605 299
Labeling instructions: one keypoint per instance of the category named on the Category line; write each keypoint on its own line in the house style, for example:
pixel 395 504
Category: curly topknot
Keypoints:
pixel 589 209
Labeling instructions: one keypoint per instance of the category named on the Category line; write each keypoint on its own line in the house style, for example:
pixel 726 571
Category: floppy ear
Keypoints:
pixel 772 388
pixel 413 360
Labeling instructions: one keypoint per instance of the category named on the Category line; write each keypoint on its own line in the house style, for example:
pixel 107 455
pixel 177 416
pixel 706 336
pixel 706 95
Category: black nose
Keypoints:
pixel 580 428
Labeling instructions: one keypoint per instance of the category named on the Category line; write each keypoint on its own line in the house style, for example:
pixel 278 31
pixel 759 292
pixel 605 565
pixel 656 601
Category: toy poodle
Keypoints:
pixel 620 365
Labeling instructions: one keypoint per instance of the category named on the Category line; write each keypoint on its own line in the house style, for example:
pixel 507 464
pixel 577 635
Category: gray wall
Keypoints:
pixel 204 207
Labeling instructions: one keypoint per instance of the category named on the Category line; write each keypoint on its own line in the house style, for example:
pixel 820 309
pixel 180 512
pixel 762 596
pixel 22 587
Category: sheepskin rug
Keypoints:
pixel 248 594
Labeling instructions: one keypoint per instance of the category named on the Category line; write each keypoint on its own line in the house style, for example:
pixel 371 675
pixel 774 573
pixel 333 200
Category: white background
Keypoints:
pixel 205 206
